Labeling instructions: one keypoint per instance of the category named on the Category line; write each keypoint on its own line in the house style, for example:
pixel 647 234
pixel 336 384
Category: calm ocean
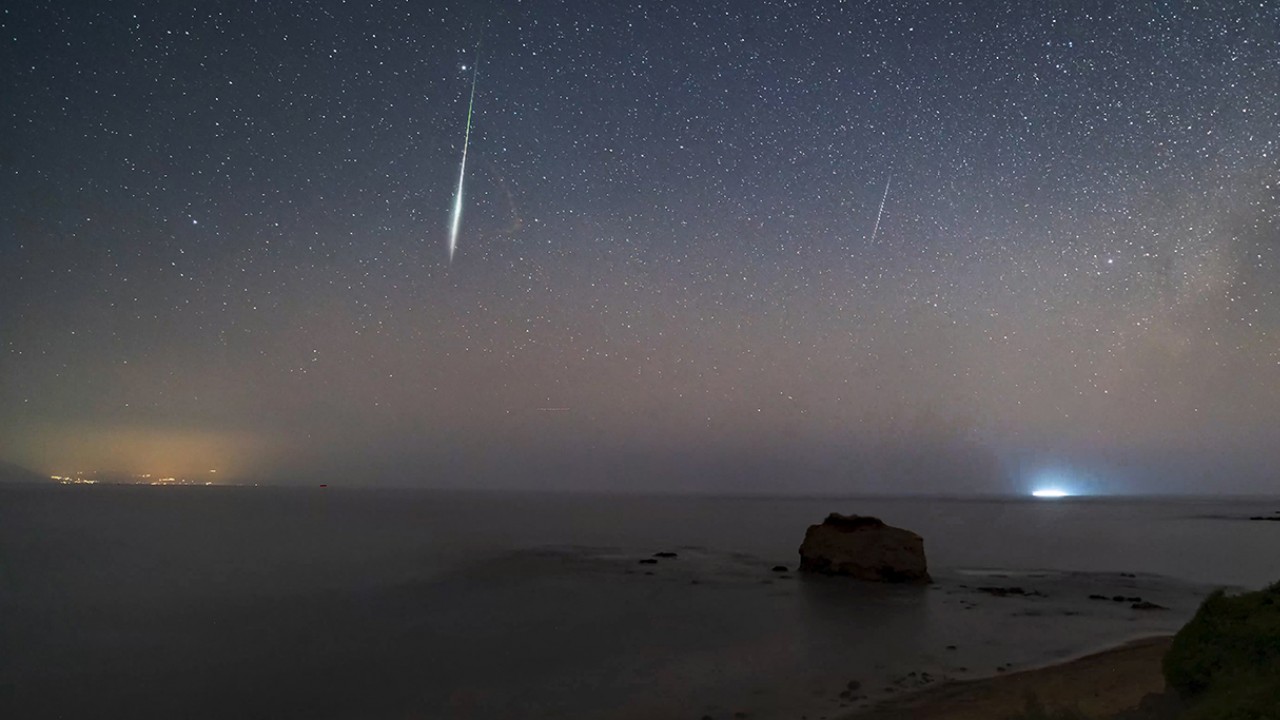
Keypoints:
pixel 140 602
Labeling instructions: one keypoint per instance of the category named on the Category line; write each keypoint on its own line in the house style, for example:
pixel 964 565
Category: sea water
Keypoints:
pixel 342 603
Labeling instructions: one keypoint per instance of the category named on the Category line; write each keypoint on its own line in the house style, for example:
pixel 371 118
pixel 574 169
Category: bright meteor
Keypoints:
pixel 462 168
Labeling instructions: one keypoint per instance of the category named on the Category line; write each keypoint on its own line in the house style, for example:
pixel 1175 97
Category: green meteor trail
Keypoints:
pixel 462 169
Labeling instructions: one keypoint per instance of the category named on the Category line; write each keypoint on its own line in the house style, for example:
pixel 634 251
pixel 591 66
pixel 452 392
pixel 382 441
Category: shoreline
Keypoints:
pixel 1099 684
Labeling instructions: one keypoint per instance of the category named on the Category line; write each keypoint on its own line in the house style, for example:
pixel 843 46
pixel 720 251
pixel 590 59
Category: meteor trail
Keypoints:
pixel 462 168
pixel 878 214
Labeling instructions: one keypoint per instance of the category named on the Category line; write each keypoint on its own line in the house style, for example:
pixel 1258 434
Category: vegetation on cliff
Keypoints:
pixel 1225 663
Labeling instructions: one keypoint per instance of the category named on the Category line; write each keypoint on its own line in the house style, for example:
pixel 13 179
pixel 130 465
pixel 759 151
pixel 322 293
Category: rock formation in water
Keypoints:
pixel 864 548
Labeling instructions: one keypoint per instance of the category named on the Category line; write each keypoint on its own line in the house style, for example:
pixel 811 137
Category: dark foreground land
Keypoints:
pixel 1223 665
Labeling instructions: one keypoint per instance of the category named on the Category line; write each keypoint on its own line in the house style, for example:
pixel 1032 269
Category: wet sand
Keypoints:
pixel 1098 685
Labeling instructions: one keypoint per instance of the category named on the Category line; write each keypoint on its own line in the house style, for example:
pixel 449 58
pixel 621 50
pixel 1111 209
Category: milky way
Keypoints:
pixel 212 244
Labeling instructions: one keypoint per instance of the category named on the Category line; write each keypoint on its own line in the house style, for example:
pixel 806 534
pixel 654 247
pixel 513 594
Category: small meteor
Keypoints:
pixel 876 231
pixel 456 223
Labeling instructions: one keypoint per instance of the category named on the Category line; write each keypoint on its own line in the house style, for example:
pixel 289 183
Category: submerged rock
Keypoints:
pixel 864 548
pixel 1007 591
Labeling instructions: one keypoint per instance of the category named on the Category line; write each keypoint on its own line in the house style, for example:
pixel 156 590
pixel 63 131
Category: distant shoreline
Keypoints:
pixel 1100 684
pixel 44 480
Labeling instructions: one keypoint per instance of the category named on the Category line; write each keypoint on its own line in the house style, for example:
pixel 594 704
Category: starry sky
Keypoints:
pixel 224 243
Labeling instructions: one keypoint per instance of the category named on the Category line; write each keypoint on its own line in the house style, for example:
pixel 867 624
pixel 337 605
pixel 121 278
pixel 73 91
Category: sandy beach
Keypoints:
pixel 1098 685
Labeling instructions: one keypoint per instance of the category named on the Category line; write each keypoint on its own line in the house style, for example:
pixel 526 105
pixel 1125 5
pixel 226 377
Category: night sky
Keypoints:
pixel 224 243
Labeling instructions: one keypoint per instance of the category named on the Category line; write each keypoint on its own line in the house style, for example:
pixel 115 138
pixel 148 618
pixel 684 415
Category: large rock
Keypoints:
pixel 865 548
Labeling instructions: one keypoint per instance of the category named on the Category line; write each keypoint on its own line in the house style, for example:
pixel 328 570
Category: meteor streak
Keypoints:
pixel 462 168
pixel 878 214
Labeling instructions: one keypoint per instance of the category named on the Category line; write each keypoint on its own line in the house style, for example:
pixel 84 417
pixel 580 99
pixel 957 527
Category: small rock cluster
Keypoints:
pixel 1136 603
